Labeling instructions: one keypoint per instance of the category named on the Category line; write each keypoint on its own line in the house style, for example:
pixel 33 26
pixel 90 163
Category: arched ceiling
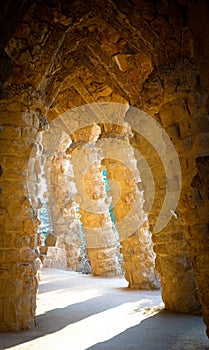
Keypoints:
pixel 64 54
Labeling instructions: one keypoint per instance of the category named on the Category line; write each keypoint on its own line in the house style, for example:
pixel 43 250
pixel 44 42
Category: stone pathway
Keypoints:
pixel 76 312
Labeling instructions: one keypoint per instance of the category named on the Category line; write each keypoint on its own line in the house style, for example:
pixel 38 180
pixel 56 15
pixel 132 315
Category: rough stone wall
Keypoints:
pixel 53 253
pixel 56 257
pixel 201 230
pixel 148 54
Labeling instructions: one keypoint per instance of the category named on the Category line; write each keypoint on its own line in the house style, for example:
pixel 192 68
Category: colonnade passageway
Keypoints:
pixel 104 152
pixel 81 312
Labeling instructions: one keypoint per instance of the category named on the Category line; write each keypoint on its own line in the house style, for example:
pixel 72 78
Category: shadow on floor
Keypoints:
pixel 54 320
pixel 158 332
pixel 163 331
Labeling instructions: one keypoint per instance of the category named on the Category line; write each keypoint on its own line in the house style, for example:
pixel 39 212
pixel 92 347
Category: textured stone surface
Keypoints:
pixel 101 240
pixel 139 261
pixel 50 240
pixel 18 227
pixel 151 55
pixel 56 258
pixel 136 242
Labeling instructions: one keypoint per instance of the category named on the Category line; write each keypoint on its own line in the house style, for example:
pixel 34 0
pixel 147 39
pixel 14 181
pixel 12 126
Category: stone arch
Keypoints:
pixel 61 202
pixel 129 57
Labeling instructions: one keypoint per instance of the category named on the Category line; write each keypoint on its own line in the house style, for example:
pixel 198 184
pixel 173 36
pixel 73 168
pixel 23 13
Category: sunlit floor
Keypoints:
pixel 76 312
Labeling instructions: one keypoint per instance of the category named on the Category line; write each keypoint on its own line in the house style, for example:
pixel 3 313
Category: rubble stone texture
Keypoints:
pixel 60 55
pixel 65 221
pixel 128 201
pixel 101 240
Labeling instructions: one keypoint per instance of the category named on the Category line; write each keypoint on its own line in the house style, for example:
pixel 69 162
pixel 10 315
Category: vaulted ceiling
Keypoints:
pixel 61 54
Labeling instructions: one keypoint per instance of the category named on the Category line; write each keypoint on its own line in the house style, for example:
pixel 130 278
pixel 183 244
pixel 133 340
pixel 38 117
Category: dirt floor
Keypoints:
pixel 77 312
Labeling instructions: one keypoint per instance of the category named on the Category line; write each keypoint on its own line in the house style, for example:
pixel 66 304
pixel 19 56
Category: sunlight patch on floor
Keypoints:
pixel 77 312
pixel 62 298
pixel 96 328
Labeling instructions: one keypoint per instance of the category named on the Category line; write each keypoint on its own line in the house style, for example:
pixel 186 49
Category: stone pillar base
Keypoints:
pixel 139 261
pixel 105 262
pixel 178 288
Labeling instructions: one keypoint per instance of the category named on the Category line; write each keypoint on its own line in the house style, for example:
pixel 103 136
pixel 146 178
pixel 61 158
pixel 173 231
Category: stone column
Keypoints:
pixel 139 260
pixel 18 221
pixel 65 217
pixel 177 244
pixel 61 190
pixel 131 220
pixel 101 241
pixel 175 269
